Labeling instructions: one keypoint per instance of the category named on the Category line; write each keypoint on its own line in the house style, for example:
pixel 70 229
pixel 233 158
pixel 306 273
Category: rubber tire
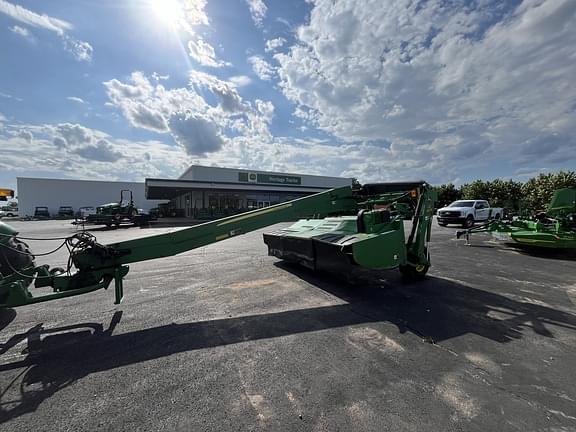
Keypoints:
pixel 409 272
pixel 469 222
pixel 497 217
pixel 10 259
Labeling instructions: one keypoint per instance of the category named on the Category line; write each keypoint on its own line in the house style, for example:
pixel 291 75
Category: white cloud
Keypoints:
pixel 266 108
pixel 82 51
pixel 102 151
pixel 26 135
pixel 258 11
pixel 437 89
pixel 21 31
pixel 203 53
pixel 156 76
pixel 230 100
pixel 31 18
pixel 274 44
pixel 261 68
pixel 197 134
pixel 198 126
pixel 76 99
pixel 240 80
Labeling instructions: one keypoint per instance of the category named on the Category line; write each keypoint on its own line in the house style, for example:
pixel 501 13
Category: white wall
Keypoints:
pixel 205 173
pixel 53 193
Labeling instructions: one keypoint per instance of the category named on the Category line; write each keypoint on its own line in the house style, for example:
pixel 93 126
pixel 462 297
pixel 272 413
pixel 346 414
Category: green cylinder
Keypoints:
pixel 6 232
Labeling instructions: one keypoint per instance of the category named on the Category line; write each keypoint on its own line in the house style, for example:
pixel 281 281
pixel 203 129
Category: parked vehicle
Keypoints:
pixel 65 211
pixel 467 212
pixel 123 211
pixel 9 211
pixel 41 213
pixel 85 211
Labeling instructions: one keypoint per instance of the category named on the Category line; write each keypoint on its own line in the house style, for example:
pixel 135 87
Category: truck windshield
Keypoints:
pixel 462 204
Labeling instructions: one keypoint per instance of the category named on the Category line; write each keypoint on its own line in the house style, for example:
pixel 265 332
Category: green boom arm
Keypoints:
pixel 98 265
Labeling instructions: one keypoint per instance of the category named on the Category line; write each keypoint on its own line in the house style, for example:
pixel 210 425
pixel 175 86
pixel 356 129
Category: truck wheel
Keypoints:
pixel 497 216
pixel 469 222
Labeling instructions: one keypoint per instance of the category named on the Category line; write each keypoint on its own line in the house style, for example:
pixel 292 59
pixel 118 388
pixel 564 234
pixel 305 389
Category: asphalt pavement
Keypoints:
pixel 225 338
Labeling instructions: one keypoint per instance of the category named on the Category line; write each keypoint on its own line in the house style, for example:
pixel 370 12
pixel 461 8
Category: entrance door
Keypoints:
pixel 262 204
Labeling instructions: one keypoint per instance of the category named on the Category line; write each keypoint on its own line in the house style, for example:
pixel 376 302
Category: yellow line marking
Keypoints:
pixel 222 237
pixel 256 213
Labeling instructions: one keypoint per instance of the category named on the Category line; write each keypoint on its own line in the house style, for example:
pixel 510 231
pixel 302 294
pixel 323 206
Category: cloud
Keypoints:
pixel 240 80
pixel 157 77
pixel 437 89
pixel 261 68
pixel 101 152
pixel 142 116
pixel 122 159
pixel 196 134
pixel 82 51
pixel 26 135
pixel 73 134
pixel 76 99
pixel 266 108
pixel 203 53
pixel 59 142
pixel 202 118
pixel 33 19
pixel 230 100
pixel 21 31
pixel 274 44
pixel 258 11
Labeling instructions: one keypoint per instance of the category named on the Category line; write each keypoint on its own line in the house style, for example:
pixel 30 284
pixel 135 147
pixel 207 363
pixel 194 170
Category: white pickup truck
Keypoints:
pixel 466 212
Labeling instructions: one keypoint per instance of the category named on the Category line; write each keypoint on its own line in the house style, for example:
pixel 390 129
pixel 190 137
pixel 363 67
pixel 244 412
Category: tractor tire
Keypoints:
pixel 14 257
pixel 409 272
pixel 469 222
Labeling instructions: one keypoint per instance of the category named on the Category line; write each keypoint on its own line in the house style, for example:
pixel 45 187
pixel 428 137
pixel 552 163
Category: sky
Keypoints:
pixel 440 90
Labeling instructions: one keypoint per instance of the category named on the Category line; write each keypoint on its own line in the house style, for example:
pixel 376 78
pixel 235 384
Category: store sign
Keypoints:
pixel 268 178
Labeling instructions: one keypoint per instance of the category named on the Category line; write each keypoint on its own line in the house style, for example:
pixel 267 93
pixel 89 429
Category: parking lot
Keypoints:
pixel 225 338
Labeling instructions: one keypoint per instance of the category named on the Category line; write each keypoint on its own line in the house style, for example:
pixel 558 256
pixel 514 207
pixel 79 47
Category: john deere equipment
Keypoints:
pixel 553 229
pixel 116 213
pixel 362 228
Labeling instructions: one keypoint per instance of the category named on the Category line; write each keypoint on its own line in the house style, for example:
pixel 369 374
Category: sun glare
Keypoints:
pixel 168 11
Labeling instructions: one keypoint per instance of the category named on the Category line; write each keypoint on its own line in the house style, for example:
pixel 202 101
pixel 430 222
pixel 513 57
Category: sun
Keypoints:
pixel 168 11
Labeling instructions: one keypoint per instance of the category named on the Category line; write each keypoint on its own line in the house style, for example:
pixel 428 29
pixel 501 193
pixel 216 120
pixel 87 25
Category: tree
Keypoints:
pixel 447 193
pixel 537 192
pixel 500 193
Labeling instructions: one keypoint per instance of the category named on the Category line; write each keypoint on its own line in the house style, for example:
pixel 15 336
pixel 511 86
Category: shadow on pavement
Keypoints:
pixel 434 309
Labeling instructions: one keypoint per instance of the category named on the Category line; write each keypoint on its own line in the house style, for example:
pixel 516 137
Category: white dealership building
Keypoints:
pixel 200 192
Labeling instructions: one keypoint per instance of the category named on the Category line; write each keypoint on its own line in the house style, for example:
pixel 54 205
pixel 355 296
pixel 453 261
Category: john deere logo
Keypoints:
pixel 252 177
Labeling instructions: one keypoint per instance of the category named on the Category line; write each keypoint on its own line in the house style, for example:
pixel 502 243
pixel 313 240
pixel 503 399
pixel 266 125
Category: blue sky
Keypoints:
pixel 440 90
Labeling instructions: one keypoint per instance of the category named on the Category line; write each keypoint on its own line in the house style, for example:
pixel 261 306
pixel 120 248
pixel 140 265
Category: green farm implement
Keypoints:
pixel 116 213
pixel 342 228
pixel 553 229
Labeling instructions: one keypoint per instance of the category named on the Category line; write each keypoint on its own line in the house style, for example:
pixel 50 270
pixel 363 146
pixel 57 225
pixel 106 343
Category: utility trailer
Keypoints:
pixel 117 213
pixel 342 228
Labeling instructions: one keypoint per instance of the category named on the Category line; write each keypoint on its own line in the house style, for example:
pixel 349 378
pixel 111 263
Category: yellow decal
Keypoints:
pixel 221 237
pixel 255 213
